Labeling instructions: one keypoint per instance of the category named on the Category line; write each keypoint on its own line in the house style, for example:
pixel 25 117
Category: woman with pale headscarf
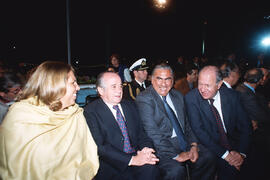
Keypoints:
pixel 44 134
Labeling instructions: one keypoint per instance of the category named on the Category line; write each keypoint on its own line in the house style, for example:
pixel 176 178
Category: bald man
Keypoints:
pixel 219 122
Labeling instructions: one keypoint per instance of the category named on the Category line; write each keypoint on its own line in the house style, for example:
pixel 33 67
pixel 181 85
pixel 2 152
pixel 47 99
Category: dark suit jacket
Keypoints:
pixel 204 123
pixel 252 106
pixel 108 136
pixel 157 124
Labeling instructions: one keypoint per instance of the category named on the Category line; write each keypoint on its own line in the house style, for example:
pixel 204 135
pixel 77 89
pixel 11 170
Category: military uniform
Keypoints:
pixel 133 88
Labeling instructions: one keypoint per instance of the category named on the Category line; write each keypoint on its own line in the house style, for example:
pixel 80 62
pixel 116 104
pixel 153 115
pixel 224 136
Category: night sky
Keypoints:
pixel 34 31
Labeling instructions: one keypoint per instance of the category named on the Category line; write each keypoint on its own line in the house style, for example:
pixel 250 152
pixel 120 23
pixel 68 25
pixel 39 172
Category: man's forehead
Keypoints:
pixel 163 72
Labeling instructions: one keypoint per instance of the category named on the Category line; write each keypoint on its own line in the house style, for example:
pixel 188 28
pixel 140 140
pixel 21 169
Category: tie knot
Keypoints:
pixel 115 107
pixel 211 101
pixel 164 98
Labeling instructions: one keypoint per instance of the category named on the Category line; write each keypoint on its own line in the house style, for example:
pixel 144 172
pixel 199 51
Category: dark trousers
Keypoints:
pixel 257 161
pixel 225 171
pixel 145 172
pixel 203 169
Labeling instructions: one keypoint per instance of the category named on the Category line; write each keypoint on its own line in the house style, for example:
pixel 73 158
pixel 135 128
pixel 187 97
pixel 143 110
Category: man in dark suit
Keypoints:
pixel 139 80
pixel 250 101
pixel 219 122
pixel 164 119
pixel 230 74
pixel 125 152
pixel 258 113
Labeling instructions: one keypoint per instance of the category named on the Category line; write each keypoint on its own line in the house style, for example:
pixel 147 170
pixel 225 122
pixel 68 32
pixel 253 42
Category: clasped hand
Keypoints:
pixel 191 155
pixel 145 156
pixel 235 159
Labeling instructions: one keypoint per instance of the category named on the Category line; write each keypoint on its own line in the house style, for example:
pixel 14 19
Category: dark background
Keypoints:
pixel 34 31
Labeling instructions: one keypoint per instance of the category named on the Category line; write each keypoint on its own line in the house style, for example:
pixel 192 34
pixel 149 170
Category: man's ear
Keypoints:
pixel 100 91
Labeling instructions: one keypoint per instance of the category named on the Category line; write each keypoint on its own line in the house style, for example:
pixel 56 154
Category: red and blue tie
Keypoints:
pixel 122 126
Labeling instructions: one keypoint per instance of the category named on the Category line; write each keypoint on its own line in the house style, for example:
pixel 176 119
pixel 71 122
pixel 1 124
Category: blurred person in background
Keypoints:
pixel 258 114
pixel 188 82
pixel 10 86
pixel 119 68
pixel 230 74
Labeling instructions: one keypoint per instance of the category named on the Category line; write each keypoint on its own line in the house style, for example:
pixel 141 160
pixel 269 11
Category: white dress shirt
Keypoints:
pixel 141 84
pixel 169 101
pixel 227 84
pixel 110 106
pixel 217 104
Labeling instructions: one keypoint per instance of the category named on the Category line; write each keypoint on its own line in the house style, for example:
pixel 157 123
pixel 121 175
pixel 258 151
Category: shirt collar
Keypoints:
pixel 139 82
pixel 227 84
pixel 251 88
pixel 110 105
pixel 216 97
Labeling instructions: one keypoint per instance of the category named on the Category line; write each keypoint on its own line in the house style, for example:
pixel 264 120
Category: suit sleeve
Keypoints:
pixel 201 131
pixel 118 159
pixel 243 126
pixel 143 139
pixel 253 108
pixel 163 146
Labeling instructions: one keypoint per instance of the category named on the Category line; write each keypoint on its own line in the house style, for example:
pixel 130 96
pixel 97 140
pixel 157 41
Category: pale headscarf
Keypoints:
pixel 37 143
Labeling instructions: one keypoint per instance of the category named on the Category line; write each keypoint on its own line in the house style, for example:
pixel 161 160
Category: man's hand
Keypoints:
pixel 183 156
pixel 254 125
pixel 145 156
pixel 191 155
pixel 194 155
pixel 235 159
pixel 238 159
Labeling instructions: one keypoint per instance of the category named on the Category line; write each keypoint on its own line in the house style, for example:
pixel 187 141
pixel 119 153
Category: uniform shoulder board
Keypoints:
pixel 125 83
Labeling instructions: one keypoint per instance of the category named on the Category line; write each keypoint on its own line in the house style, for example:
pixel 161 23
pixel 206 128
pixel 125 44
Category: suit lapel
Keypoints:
pixel 206 109
pixel 158 99
pixel 160 104
pixel 107 114
pixel 224 108
pixel 178 109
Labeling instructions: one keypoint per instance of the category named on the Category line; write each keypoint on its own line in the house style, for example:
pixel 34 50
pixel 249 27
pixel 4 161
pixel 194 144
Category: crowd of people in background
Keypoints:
pixel 199 118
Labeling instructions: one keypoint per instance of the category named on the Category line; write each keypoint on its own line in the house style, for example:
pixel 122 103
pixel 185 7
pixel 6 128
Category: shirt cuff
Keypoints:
pixel 175 157
pixel 129 164
pixel 225 154
pixel 243 155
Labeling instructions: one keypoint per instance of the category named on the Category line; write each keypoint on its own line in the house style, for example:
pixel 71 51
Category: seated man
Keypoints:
pixel 162 111
pixel 124 150
pixel 258 113
pixel 219 121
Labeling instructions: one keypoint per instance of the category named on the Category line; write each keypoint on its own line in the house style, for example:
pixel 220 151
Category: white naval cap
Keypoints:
pixel 139 65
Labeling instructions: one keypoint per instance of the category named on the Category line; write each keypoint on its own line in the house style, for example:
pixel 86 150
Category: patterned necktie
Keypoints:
pixel 223 137
pixel 178 130
pixel 122 126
